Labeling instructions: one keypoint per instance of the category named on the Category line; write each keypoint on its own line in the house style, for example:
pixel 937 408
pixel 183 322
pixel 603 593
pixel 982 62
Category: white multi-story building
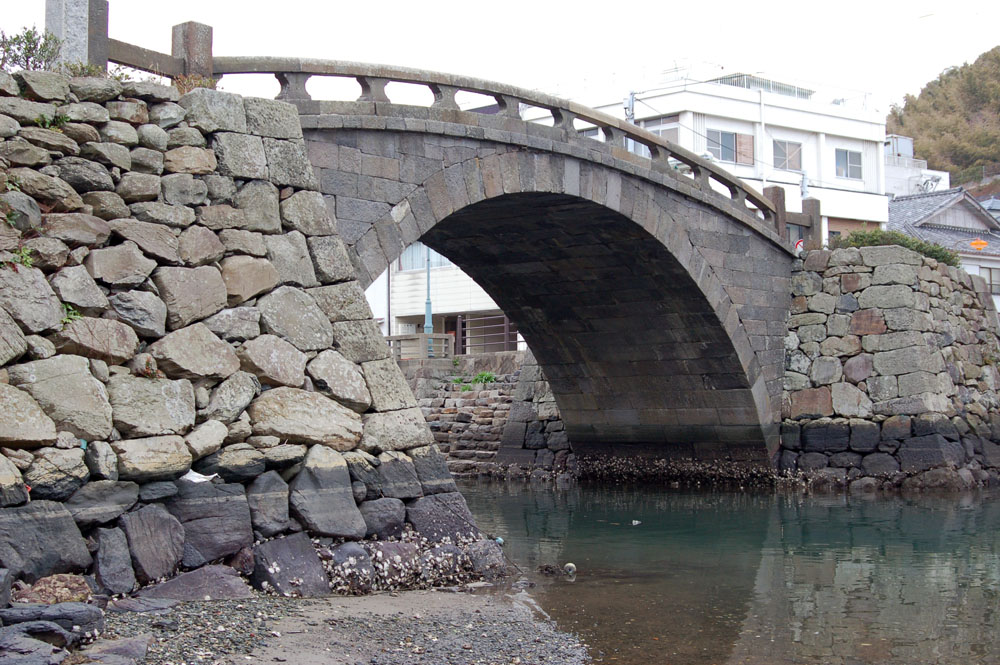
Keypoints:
pixel 769 133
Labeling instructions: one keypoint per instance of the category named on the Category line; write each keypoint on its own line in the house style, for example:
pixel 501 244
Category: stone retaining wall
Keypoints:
pixel 517 414
pixel 890 372
pixel 534 436
pixel 174 297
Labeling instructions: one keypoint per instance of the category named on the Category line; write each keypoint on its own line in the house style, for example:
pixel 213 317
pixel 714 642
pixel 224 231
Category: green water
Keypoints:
pixel 757 578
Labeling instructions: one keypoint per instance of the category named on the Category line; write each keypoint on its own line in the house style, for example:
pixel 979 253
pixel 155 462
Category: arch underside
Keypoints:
pixel 631 346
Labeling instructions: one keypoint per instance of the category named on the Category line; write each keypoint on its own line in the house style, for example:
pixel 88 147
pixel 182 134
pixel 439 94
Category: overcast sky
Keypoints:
pixel 886 48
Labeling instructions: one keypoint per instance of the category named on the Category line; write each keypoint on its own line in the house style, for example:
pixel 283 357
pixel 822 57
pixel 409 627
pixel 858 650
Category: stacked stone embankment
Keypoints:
pixel 174 298
pixel 534 437
pixel 467 420
pixel 891 376
pixel 471 422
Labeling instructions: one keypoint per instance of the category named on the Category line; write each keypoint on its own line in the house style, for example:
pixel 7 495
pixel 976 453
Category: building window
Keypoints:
pixel 414 257
pixel 730 147
pixel 848 164
pixel 722 145
pixel 992 277
pixel 787 155
pixel 665 126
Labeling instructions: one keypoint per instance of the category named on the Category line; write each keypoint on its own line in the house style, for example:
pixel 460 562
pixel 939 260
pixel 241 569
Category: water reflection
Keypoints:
pixel 743 578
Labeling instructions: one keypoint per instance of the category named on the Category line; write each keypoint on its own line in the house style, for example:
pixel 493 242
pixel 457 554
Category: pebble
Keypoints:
pixel 204 632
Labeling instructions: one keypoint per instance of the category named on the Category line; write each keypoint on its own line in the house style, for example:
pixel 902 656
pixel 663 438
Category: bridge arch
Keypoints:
pixel 665 320
pixel 623 289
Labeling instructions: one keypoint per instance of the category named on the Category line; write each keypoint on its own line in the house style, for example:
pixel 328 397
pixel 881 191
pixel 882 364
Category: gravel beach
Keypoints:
pixel 408 628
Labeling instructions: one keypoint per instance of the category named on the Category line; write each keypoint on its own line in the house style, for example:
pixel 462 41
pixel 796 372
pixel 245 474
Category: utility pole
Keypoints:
pixel 428 318
pixel 630 108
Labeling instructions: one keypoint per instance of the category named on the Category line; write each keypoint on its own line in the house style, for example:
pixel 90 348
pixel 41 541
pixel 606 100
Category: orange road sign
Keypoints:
pixel 979 244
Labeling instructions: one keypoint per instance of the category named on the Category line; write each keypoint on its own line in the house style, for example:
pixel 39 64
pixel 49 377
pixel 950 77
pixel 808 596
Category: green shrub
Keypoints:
pixel 55 122
pixel 875 237
pixel 29 49
pixel 484 377
pixel 70 313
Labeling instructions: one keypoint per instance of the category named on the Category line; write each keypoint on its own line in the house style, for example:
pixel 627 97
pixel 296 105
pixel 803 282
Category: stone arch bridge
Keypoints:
pixel 653 291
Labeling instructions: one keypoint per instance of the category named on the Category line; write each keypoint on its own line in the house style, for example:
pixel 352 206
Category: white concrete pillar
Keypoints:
pixel 82 25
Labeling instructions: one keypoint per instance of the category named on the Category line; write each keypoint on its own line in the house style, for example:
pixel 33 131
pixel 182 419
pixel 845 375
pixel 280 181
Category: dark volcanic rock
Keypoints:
pixel 441 516
pixel 157 491
pixel 398 477
pixel 40 539
pixel 432 470
pixel 268 500
pixel 321 496
pixel 825 437
pixel 206 583
pixel 920 453
pixel 216 520
pixel 21 649
pixel 384 518
pixel 290 566
pixel 40 632
pixel 397 565
pixel 101 501
pixel 364 469
pixel 112 563
pixel 487 559
pixel 352 569
pixel 74 617
pixel 155 541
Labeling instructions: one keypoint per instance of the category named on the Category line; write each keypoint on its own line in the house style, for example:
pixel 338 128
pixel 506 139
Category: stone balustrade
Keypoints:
pixel 293 74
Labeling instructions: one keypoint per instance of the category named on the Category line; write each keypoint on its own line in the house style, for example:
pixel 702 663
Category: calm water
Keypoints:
pixel 758 578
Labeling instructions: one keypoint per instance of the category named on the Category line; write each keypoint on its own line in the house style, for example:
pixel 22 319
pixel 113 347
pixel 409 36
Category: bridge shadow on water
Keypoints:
pixel 757 578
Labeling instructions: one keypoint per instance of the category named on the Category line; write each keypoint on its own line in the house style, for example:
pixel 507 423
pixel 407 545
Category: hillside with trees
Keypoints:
pixel 955 120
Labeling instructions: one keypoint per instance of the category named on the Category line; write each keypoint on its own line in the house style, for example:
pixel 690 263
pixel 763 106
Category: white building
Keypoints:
pixel 906 175
pixel 769 133
pixel 460 307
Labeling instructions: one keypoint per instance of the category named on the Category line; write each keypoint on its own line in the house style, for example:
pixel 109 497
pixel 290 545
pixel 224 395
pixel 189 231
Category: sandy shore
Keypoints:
pixel 427 627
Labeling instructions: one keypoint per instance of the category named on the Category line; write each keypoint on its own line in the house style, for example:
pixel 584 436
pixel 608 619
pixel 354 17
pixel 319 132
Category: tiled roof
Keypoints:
pixel 914 208
pixel 907 214
pixel 958 239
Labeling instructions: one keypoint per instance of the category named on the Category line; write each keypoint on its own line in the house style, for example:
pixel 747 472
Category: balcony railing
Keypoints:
pixel 422 345
pixel 486 334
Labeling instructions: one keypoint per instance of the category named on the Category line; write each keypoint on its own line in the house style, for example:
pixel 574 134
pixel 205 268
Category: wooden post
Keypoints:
pixel 460 335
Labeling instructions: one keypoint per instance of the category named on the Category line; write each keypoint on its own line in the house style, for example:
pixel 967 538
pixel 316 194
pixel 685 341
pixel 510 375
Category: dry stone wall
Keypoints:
pixel 890 372
pixel 534 437
pixel 174 297
pixel 509 427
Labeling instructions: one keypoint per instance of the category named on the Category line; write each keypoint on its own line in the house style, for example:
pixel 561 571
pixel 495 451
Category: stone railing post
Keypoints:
pixel 776 195
pixel 811 207
pixel 82 25
pixel 193 42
